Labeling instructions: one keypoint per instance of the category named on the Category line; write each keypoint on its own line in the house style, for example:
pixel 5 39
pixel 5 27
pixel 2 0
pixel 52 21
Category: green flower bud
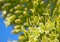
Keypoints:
pixel 32 10
pixel 4 13
pixel 22 38
pixel 26 9
pixel 35 19
pixel 11 10
pixel 42 2
pixel 16 31
pixel 7 23
pixel 58 18
pixel 45 14
pixel 6 5
pixel 20 16
pixel 25 13
pixel 1 0
pixel 17 27
pixel 18 21
pixel 10 20
pixel 8 15
pixel 44 39
pixel 17 7
pixel 18 11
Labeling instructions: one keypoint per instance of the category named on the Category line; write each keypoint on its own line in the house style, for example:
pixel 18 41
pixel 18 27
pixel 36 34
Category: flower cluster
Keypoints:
pixel 38 20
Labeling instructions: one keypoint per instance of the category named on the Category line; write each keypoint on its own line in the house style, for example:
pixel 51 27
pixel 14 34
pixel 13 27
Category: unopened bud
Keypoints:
pixel 17 26
pixel 4 12
pixel 6 5
pixel 32 10
pixel 18 21
pixel 20 16
pixel 22 37
pixel 17 11
pixel 25 13
pixel 17 7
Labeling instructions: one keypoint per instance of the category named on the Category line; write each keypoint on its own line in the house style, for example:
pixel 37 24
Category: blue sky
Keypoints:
pixel 5 33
